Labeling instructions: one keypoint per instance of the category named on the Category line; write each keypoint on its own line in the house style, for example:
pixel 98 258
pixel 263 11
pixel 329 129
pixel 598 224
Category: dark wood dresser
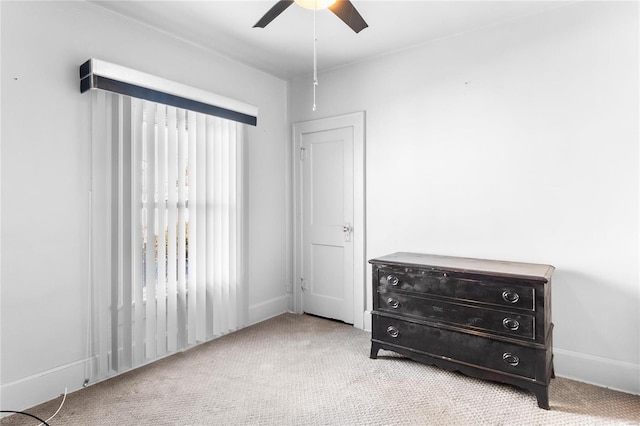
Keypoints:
pixel 488 319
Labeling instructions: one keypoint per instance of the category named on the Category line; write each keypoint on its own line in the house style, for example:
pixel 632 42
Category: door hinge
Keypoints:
pixel 303 153
pixel 303 284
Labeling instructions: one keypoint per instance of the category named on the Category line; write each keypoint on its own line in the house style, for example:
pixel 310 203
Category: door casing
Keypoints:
pixel 355 121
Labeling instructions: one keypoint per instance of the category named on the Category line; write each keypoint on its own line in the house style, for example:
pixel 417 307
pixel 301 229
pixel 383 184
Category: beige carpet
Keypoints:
pixel 303 370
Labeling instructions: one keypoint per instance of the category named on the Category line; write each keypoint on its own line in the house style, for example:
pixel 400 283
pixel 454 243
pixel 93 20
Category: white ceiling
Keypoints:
pixel 285 47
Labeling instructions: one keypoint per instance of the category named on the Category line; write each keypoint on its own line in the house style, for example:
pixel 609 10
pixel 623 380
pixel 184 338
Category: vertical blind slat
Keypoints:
pixel 200 175
pixel 219 247
pixel 192 292
pixel 241 306
pixel 161 209
pixel 150 194
pixel 137 237
pixel 233 228
pixel 114 110
pixel 100 194
pixel 182 229
pixel 172 221
pixel 210 231
pixel 215 230
pixel 109 242
pixel 226 202
pixel 126 286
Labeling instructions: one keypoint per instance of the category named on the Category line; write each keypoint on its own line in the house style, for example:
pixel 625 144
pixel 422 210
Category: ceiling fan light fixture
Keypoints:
pixel 315 4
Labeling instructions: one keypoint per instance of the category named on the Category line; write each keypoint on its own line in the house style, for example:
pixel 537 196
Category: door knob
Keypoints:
pixel 347 230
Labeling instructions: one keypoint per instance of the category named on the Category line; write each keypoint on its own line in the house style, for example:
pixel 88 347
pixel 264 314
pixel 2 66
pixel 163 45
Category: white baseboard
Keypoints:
pixel 42 387
pixel 268 309
pixel 605 372
pixel 367 321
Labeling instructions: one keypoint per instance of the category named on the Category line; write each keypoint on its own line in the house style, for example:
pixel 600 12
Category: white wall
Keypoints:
pixel 516 142
pixel 45 168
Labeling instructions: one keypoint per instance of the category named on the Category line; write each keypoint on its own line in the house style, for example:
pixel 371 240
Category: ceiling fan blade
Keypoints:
pixel 273 13
pixel 346 11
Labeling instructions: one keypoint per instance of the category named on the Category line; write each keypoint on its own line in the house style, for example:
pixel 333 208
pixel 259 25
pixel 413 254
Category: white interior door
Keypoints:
pixel 328 223
pixel 329 271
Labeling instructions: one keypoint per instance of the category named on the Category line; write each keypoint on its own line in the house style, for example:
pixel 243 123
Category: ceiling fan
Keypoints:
pixel 343 9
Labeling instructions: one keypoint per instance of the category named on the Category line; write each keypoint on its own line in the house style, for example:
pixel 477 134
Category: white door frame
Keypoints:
pixel 356 121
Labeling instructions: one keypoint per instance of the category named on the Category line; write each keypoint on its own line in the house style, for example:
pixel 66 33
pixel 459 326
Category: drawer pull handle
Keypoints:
pixel 510 296
pixel 393 303
pixel 392 279
pixel 511 359
pixel 392 331
pixel 511 324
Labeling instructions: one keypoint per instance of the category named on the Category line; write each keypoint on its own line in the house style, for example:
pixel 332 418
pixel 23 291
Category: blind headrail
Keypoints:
pixel 98 74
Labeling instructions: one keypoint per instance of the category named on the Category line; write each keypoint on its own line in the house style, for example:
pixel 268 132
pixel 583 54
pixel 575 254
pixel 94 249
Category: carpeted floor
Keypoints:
pixel 303 370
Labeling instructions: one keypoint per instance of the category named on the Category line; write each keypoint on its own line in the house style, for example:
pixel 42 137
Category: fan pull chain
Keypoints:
pixel 315 56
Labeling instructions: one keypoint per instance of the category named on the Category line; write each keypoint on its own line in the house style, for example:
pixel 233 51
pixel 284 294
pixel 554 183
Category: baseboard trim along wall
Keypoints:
pixel 367 321
pixel 599 371
pixel 44 386
pixel 267 309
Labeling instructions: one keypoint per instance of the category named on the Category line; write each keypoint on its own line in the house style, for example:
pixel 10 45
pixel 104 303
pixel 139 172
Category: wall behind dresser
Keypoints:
pixel 517 141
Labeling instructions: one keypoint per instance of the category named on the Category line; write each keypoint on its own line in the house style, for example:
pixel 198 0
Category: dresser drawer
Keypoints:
pixel 461 347
pixel 443 284
pixel 506 323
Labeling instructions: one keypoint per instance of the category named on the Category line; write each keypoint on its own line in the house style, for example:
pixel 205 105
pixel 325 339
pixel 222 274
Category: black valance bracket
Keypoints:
pixel 97 74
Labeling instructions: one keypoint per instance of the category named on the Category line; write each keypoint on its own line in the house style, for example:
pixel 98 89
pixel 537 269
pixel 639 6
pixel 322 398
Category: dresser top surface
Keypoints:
pixel 463 264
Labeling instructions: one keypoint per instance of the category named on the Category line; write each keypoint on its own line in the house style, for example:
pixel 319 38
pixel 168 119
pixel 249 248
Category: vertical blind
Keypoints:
pixel 167 230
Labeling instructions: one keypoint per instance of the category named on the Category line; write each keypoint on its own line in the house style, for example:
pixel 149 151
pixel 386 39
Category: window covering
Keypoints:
pixel 167 230
pixel 98 74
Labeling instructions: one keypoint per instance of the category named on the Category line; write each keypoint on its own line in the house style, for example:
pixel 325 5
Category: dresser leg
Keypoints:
pixel 542 394
pixel 374 350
